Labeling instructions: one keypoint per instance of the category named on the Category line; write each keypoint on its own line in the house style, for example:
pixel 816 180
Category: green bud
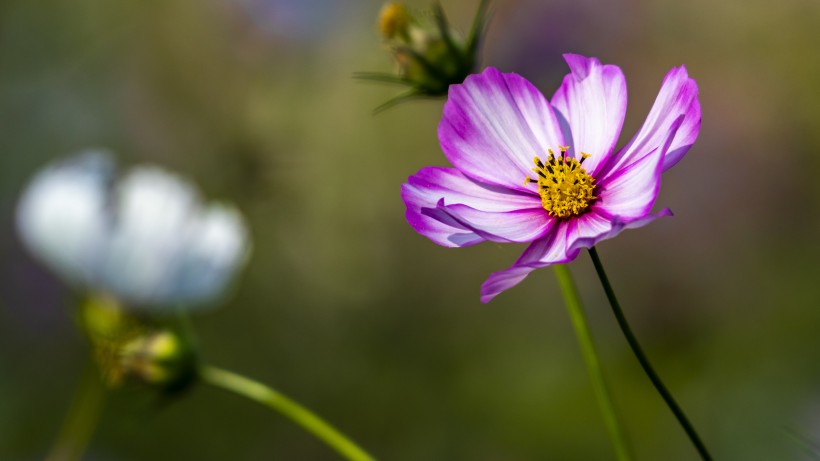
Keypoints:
pixel 133 349
pixel 158 358
pixel 102 317
pixel 430 55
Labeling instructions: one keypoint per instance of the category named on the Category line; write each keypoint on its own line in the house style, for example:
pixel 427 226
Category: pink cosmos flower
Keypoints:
pixel 528 170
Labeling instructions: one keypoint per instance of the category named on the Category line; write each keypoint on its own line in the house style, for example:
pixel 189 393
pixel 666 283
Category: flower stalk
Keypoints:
pixel 593 363
pixel 268 397
pixel 82 418
pixel 644 361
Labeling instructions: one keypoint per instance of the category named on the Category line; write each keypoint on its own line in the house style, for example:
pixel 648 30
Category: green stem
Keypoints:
pixel 300 415
pixel 596 375
pixel 82 418
pixel 647 367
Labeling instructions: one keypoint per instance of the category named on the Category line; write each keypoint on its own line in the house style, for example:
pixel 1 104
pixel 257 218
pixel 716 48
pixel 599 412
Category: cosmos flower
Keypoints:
pixel 528 170
pixel 144 238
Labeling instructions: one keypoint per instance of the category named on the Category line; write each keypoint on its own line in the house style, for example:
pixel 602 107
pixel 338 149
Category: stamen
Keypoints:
pixel 566 189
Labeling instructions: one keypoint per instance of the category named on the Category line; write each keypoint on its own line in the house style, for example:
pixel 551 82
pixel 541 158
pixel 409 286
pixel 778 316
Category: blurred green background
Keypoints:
pixel 345 308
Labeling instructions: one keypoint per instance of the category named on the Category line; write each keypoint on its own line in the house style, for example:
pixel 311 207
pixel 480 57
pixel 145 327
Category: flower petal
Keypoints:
pixel 592 228
pixel 561 245
pixel 493 126
pixel 678 98
pixel 519 226
pixel 217 243
pixel 630 190
pixel 501 281
pixel 424 190
pixel 591 105
pixel 456 188
pixel 549 249
pixel 165 247
pixel 60 216
pixel 153 211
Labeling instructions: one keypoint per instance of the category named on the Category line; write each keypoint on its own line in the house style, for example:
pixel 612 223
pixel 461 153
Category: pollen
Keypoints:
pixel 565 187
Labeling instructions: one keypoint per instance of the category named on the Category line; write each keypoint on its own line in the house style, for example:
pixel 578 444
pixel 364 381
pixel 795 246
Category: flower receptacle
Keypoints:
pixel 133 349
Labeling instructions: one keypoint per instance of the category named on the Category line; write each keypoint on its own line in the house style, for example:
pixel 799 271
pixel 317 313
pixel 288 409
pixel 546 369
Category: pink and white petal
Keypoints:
pixel 587 225
pixel 435 183
pixel 593 228
pixel 561 245
pixel 592 102
pixel 630 190
pixel 493 126
pixel 519 226
pixel 683 89
pixel 554 251
pixel 433 223
pixel 547 250
pixel 425 191
pixel 678 98
pixel 501 281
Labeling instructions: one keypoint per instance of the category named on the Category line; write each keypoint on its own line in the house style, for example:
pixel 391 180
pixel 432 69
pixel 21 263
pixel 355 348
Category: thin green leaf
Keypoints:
pixel 482 18
pixel 444 30
pixel 429 67
pixel 404 97
pixel 382 77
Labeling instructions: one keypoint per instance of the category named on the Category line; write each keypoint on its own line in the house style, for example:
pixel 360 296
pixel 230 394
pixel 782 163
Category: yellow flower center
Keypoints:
pixel 564 185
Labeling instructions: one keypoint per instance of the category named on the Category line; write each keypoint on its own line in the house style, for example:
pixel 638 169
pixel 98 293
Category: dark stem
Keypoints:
pixel 647 367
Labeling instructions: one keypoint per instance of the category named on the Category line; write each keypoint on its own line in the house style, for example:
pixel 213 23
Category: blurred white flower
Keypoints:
pixel 145 239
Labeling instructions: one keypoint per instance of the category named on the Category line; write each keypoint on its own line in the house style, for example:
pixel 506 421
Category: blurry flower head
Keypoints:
pixel 429 54
pixel 144 238
pixel 529 170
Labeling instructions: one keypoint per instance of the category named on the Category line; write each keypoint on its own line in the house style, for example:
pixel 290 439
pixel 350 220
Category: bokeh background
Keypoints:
pixel 346 309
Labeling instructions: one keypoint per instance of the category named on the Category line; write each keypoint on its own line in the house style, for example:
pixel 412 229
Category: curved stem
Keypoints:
pixel 644 361
pixel 83 415
pixel 300 415
pixel 593 363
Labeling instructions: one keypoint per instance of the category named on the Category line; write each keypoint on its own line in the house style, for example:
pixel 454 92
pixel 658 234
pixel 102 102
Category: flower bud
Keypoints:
pixel 132 349
pixel 430 55
pixel 156 358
